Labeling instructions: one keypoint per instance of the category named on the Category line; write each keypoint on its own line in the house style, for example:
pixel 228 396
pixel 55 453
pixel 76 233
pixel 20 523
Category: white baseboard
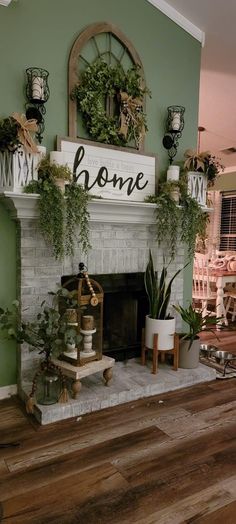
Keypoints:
pixel 7 391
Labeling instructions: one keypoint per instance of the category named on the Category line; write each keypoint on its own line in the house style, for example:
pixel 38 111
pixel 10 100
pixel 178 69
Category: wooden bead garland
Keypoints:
pixel 94 300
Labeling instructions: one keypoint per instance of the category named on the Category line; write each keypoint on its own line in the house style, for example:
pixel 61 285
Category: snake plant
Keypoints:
pixel 158 289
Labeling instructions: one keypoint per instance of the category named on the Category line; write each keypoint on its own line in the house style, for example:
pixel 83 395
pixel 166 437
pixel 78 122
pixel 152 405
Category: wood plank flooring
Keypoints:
pixel 167 459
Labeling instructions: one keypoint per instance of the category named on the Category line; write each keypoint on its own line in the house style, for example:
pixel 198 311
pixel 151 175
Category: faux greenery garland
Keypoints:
pixel 101 80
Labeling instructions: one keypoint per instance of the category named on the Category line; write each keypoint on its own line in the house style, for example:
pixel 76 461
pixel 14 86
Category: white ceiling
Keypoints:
pixel 217 105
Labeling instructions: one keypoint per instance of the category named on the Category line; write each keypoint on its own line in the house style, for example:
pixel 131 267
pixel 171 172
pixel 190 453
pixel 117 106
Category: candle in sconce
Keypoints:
pixel 38 88
pixel 87 322
pixel 175 122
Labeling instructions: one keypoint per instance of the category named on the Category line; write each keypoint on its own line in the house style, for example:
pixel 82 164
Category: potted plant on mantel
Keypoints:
pixel 203 169
pixel 189 348
pixel 61 219
pixel 159 321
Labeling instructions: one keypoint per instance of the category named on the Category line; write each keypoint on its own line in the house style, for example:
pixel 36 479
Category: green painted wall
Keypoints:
pixel 7 293
pixel 40 33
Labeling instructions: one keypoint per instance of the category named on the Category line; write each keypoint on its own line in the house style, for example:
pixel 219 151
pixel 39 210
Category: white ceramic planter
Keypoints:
pixel 165 330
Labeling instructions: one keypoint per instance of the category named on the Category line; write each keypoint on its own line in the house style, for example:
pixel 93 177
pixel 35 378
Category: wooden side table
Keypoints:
pixel 77 372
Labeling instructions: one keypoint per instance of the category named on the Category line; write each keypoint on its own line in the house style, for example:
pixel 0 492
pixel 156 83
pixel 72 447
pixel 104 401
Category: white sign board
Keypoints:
pixel 110 173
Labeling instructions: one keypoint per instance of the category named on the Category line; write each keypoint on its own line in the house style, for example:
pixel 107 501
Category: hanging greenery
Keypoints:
pixel 77 217
pixel 178 223
pixel 101 81
pixel 61 217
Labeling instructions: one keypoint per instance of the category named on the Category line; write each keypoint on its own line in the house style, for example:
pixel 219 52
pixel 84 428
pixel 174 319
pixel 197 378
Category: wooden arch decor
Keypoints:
pixel 90 32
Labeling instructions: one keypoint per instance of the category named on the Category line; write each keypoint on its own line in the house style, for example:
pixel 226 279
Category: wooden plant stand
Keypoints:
pixel 77 372
pixel 162 352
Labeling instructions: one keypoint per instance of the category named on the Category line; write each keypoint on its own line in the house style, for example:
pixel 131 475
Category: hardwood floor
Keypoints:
pixel 166 459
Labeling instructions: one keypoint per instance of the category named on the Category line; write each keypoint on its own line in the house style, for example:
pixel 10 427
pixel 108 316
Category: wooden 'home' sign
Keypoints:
pixel 109 172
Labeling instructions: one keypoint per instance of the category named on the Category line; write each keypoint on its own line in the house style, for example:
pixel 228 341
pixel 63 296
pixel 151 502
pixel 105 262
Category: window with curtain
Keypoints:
pixel 228 222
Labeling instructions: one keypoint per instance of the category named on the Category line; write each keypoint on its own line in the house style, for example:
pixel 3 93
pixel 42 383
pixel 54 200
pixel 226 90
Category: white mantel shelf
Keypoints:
pixel 24 206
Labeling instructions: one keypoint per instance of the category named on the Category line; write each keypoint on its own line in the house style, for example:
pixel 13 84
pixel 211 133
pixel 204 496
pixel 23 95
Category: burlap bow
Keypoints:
pixel 130 110
pixel 195 161
pixel 25 127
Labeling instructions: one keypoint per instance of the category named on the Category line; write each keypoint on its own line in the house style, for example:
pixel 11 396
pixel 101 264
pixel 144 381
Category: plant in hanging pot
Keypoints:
pixel 159 321
pixel 195 323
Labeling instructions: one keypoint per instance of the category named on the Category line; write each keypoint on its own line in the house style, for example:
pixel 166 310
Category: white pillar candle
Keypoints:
pixel 173 173
pixel 175 123
pixel 42 150
pixel 57 157
pixel 37 88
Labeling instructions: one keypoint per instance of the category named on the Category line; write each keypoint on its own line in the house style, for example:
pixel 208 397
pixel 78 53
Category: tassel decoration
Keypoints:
pixel 29 405
pixel 64 395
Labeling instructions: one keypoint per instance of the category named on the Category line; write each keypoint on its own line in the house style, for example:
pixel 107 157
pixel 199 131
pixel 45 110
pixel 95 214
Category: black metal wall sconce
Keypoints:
pixel 37 93
pixel 174 128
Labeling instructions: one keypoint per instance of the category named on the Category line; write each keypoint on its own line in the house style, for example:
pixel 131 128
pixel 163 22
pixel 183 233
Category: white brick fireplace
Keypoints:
pixel 121 234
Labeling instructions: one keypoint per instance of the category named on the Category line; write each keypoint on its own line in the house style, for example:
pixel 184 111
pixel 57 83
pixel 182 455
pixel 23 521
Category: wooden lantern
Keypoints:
pixel 90 298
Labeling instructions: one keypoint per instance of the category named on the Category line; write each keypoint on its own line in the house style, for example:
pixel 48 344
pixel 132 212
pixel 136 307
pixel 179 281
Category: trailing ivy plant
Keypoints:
pixel 175 222
pixel 100 81
pixel 167 215
pixel 193 222
pixel 77 217
pixel 61 217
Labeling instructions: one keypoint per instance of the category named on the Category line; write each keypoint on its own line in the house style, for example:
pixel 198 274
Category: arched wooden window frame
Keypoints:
pixel 80 42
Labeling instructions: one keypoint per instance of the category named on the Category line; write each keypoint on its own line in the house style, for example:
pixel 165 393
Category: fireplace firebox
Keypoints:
pixel 125 307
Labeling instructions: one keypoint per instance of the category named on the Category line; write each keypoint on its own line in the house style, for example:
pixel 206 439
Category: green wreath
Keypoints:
pixel 101 80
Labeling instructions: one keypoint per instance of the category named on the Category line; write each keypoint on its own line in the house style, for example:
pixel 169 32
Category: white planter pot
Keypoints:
pixel 197 187
pixel 165 330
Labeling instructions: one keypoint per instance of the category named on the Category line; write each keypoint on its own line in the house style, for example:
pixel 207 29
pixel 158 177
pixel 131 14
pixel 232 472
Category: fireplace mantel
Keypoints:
pixel 24 206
